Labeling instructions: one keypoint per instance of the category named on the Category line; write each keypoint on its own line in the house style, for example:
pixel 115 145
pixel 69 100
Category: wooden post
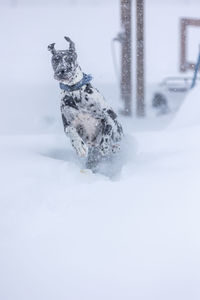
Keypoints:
pixel 126 80
pixel 140 93
pixel 183 28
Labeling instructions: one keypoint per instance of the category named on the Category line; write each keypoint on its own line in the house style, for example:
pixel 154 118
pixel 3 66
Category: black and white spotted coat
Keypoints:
pixel 89 121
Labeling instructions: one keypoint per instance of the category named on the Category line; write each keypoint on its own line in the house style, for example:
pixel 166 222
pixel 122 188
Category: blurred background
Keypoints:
pixel 30 95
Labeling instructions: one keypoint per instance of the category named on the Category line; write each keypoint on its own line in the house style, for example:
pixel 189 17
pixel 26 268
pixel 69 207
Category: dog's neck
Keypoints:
pixel 77 86
pixel 76 78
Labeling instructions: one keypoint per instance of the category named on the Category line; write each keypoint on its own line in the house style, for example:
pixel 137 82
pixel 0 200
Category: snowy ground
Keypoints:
pixel 65 234
pixel 70 235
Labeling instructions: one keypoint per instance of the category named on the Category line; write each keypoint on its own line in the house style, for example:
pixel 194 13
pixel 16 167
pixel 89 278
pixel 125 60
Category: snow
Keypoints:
pixel 67 234
pixel 72 235
pixel 189 113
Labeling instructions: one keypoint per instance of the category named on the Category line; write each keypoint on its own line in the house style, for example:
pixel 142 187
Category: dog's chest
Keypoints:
pixel 87 126
pixel 81 109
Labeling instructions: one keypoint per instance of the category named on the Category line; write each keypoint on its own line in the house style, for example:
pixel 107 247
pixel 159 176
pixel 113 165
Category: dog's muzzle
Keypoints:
pixel 63 73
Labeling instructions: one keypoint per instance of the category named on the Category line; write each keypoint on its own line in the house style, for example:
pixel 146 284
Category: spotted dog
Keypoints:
pixel 88 120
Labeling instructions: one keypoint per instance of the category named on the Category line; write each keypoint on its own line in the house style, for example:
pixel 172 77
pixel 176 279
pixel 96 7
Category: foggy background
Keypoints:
pixel 29 92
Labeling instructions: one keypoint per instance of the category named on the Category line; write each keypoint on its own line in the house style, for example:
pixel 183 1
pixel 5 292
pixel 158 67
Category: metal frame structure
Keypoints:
pixel 184 24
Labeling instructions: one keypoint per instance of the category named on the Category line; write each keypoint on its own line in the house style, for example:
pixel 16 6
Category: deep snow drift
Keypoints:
pixel 65 234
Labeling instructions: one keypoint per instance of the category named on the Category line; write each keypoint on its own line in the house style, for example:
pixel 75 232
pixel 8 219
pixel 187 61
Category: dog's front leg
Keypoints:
pixel 105 143
pixel 71 132
pixel 77 142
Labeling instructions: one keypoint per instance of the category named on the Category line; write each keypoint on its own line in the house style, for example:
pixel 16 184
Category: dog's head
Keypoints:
pixel 64 62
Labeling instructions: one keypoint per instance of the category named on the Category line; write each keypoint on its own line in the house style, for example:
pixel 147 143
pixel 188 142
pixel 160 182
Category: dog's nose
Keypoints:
pixel 60 72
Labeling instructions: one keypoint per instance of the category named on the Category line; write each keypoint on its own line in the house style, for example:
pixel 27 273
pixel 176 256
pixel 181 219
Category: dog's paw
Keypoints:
pixel 105 150
pixel 115 148
pixel 80 147
pixel 105 146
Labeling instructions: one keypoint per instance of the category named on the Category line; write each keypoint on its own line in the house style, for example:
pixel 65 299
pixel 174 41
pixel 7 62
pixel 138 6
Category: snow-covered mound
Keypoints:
pixel 189 113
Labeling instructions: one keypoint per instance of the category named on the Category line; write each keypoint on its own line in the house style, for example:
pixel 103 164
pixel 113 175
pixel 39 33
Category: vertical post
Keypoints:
pixel 140 93
pixel 126 84
pixel 183 25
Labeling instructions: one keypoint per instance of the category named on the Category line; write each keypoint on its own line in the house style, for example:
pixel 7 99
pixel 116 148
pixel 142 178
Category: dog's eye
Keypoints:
pixel 56 59
pixel 68 60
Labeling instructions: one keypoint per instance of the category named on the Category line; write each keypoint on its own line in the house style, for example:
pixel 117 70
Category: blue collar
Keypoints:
pixel 70 88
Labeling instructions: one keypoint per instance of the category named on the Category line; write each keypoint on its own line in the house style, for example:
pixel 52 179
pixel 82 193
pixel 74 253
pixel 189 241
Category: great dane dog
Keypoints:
pixel 88 120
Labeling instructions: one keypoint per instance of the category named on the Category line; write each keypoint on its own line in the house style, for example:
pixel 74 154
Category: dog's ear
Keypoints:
pixel 71 44
pixel 51 48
